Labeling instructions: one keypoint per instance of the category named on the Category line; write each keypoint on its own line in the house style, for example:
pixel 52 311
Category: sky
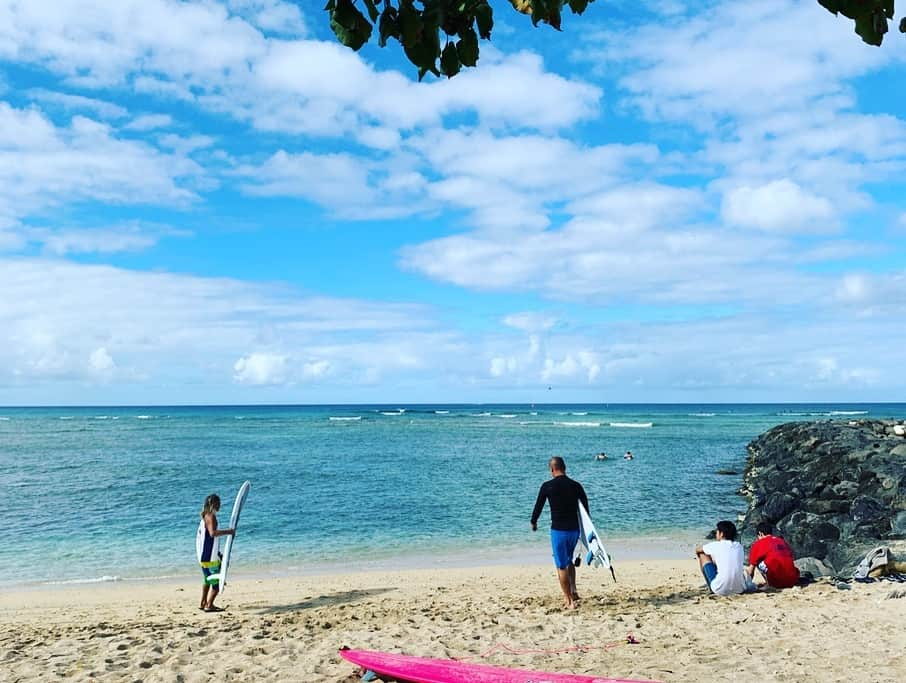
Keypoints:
pixel 216 203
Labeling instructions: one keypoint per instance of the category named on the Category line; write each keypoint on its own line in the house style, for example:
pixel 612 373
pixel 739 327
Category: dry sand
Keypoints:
pixel 289 629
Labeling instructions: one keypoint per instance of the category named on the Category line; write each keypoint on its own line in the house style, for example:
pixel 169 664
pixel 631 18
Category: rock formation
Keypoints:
pixel 833 489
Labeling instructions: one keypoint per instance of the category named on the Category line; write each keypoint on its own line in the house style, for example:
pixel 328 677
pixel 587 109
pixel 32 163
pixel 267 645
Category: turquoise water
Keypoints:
pixel 94 493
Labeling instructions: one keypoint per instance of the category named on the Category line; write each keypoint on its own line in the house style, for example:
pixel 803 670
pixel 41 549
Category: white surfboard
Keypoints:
pixel 596 553
pixel 234 522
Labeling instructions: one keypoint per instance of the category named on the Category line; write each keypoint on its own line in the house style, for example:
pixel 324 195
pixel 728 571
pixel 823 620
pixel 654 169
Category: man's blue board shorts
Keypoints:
pixel 710 572
pixel 563 543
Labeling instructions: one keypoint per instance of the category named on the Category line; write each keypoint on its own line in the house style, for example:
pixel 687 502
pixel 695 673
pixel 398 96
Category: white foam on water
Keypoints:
pixel 702 414
pixel 848 412
pixel 483 414
pixel 506 415
pixel 578 424
pixel 4 419
pixel 101 417
pixel 345 419
pixel 441 412
pixel 142 417
pixel 99 579
pixel 632 425
pixel 579 414
pixel 67 417
pixel 393 412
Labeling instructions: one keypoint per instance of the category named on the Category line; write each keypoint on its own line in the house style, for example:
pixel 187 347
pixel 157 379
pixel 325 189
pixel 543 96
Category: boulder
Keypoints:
pixel 815 567
pixel 777 506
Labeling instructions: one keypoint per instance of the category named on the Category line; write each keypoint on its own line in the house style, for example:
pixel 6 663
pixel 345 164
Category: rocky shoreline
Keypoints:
pixel 834 489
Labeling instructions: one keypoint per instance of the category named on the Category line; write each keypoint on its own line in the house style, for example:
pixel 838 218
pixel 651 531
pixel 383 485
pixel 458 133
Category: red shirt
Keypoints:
pixel 778 557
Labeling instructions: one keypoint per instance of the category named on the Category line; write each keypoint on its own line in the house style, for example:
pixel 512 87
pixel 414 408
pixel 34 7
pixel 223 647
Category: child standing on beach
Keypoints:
pixel 208 551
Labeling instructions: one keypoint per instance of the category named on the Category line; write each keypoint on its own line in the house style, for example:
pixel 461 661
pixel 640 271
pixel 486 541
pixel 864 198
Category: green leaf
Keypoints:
pixel 887 6
pixel 330 5
pixel 388 27
pixel 410 24
pixel 346 14
pixel 484 18
pixel 467 48
pixel 372 10
pixel 867 27
pixel 424 54
pixel 903 25
pixel 449 61
pixel 349 25
pixel 830 5
pixel 578 6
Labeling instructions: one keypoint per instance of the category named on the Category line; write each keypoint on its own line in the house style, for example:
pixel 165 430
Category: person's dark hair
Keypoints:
pixel 765 528
pixel 728 529
pixel 558 463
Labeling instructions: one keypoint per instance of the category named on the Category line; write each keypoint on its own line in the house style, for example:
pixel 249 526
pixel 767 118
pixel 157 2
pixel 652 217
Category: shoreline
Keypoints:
pixel 291 628
pixel 671 545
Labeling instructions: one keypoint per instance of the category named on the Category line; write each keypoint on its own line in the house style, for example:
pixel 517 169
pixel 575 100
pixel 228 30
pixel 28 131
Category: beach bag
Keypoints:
pixel 874 563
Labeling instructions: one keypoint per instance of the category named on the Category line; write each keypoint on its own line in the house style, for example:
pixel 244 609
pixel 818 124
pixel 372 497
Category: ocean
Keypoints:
pixel 103 494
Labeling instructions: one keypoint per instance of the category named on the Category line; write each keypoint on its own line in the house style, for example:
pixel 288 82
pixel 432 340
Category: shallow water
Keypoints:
pixel 95 493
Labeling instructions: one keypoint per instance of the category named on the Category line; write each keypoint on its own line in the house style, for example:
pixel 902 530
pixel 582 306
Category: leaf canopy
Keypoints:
pixel 419 24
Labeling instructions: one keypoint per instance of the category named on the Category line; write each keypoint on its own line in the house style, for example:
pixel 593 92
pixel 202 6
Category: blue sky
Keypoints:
pixel 213 202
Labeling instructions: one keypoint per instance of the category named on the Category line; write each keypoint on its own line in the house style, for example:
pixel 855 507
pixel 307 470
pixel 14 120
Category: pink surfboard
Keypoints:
pixel 424 670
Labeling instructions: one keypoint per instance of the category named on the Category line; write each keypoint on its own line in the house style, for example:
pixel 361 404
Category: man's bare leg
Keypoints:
pixel 563 576
pixel 212 594
pixel 204 596
pixel 574 594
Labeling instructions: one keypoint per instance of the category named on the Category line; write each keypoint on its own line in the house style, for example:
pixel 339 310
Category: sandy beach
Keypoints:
pixel 289 629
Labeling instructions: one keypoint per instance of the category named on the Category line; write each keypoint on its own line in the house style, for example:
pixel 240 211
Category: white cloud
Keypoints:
pixel 635 244
pixel 101 361
pixel 42 165
pixel 149 122
pixel 106 240
pixel 583 363
pixel 55 316
pixel 530 321
pixel 854 288
pixel 277 16
pixel 259 369
pixel 316 369
pixel 202 53
pixel 736 59
pixel 778 206
pixel 106 110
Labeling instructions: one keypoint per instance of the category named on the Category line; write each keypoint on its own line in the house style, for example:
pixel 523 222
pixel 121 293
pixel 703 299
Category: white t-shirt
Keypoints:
pixel 729 558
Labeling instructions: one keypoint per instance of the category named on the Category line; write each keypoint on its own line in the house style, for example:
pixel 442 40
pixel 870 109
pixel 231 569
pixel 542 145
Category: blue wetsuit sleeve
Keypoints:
pixel 539 504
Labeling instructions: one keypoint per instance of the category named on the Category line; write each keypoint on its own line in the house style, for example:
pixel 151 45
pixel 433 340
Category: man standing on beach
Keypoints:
pixel 773 557
pixel 564 495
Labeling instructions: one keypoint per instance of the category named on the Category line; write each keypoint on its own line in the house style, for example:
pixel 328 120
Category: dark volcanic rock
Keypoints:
pixel 834 489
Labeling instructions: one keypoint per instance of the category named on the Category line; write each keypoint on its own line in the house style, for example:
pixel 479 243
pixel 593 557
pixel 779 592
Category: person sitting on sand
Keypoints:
pixel 564 495
pixel 721 562
pixel 206 546
pixel 773 558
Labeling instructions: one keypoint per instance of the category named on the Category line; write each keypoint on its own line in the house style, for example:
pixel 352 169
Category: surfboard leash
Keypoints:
pixel 630 639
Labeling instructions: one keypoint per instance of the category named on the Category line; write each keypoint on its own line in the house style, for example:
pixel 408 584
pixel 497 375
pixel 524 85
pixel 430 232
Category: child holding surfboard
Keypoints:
pixel 208 551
